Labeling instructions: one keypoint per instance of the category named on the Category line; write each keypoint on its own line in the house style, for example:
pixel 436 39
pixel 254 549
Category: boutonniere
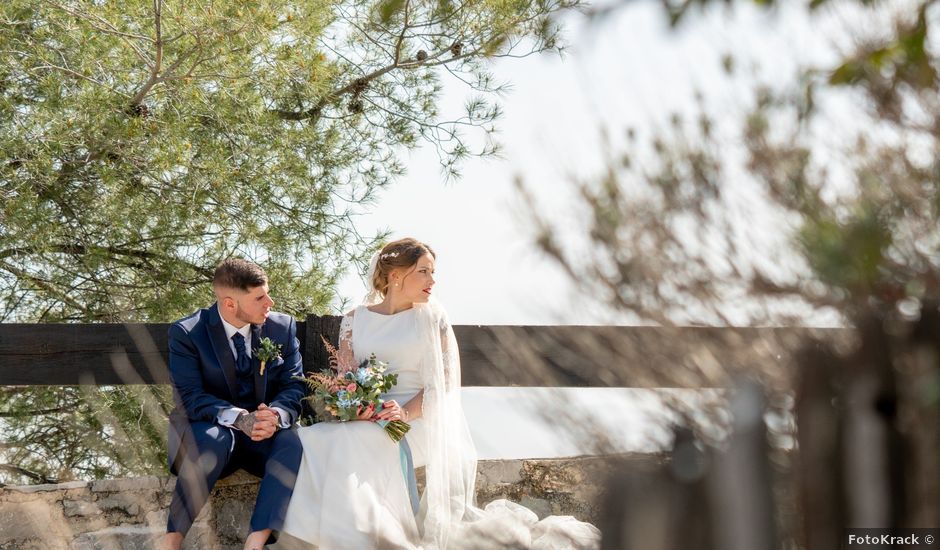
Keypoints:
pixel 269 351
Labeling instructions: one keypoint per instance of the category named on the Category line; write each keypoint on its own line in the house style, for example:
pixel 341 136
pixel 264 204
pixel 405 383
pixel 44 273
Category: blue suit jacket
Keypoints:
pixel 202 370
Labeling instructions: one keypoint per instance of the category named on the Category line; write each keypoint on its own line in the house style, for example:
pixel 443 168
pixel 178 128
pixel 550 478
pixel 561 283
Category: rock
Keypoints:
pixel 132 513
pixel 133 537
pixel 35 524
pixel 120 504
pixel 36 545
pixel 46 487
pixel 541 507
pixel 81 508
pixel 232 519
pixel 157 518
pixel 501 471
pixel 127 484
pixel 200 536
pixel 240 477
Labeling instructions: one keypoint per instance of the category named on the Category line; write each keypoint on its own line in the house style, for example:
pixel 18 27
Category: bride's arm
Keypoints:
pixel 345 349
pixel 412 409
pixel 346 354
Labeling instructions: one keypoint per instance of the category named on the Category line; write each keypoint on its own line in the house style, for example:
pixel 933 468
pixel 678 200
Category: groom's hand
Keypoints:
pixel 258 425
pixel 246 422
pixel 266 423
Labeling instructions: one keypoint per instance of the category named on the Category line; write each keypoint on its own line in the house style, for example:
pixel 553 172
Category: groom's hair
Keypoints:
pixel 240 274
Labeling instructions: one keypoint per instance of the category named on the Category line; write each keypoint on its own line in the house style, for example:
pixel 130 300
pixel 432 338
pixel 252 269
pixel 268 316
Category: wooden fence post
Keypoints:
pixel 740 480
pixel 666 509
pixel 314 352
pixel 821 440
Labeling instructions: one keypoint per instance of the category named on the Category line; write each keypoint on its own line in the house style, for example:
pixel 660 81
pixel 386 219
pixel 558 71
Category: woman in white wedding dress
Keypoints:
pixel 356 489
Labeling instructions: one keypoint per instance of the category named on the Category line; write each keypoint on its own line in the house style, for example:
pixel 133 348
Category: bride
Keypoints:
pixel 356 488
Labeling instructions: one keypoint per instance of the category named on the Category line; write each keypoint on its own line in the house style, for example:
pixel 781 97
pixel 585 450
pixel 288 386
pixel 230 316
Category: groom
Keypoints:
pixel 230 415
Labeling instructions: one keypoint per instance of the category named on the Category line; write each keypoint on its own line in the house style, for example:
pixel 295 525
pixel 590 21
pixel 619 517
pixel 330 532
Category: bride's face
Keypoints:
pixel 416 282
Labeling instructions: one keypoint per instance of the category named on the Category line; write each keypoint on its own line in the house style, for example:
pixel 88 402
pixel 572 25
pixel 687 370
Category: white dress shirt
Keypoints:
pixel 228 417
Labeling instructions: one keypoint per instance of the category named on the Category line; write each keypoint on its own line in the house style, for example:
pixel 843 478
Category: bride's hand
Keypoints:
pixel 391 410
pixel 366 413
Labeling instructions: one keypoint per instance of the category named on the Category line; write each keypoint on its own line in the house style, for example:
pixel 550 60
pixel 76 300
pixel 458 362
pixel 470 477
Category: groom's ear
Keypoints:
pixel 224 297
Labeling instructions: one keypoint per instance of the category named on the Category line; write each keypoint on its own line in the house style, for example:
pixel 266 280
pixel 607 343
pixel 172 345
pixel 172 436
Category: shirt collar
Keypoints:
pixel 230 329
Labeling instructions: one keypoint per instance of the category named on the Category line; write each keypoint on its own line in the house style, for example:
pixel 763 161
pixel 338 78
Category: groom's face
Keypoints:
pixel 251 306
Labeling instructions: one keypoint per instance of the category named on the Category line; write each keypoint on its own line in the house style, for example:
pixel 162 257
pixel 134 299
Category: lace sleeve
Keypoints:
pixel 450 355
pixel 345 348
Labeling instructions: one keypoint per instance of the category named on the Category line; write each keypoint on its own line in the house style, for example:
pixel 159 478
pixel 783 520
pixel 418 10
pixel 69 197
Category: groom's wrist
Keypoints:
pixel 283 419
pixel 245 422
pixel 227 417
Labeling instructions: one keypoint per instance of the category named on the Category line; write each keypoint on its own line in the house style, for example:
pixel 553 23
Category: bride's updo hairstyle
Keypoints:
pixel 403 253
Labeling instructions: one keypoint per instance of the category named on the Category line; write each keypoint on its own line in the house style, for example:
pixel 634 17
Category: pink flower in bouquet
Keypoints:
pixel 351 387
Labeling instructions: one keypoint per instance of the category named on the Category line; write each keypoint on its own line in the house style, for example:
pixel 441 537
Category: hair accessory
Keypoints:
pixel 389 255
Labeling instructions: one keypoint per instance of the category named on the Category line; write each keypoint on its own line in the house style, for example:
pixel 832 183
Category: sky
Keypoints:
pixel 629 70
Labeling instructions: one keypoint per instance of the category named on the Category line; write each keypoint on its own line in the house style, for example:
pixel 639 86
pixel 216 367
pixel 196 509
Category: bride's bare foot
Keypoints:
pixel 256 539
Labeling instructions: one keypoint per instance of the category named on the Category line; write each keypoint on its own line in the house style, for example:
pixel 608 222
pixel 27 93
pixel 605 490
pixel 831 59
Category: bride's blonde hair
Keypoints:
pixel 397 254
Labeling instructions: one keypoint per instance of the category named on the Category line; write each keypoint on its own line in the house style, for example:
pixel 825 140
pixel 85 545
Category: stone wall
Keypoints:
pixel 131 513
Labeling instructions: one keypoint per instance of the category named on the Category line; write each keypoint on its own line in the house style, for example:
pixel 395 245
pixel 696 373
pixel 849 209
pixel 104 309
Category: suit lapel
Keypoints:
pixel 260 381
pixel 223 352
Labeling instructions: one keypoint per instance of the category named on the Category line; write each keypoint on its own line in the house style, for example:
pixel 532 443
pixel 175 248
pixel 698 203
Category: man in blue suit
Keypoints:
pixel 230 414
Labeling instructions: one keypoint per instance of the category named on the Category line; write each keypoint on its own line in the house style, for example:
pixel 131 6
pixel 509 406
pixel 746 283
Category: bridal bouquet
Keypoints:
pixel 345 389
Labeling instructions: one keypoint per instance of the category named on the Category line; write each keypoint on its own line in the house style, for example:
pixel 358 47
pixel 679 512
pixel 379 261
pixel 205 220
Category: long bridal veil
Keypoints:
pixel 447 515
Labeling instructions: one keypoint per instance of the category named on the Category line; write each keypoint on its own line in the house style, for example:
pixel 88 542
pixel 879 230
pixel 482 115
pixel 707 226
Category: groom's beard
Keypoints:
pixel 243 317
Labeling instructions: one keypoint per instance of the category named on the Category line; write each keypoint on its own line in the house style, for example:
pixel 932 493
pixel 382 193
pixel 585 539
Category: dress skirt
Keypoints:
pixel 350 490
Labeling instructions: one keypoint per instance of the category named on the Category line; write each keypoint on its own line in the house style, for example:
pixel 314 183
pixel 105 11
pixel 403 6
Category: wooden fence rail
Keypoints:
pixel 552 356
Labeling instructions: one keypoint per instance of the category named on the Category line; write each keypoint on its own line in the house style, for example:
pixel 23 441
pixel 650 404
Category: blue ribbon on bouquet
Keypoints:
pixel 407 468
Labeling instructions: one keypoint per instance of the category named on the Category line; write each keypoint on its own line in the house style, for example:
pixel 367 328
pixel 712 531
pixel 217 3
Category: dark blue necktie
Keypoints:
pixel 242 362
pixel 243 368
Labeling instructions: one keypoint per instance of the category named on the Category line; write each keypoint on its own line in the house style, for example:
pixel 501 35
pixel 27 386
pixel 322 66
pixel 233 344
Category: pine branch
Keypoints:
pixel 35 476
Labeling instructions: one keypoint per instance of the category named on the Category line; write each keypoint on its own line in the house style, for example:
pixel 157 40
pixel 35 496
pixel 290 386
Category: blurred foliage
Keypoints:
pixel 63 433
pixel 143 142
pixel 784 214
pixel 678 10
pixel 673 222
